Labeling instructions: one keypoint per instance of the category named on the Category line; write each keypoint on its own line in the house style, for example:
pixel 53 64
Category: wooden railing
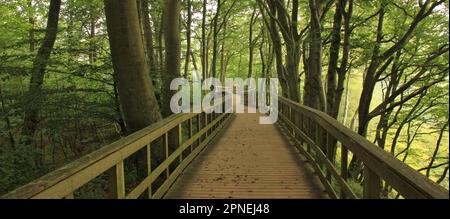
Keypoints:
pixel 313 133
pixel 190 133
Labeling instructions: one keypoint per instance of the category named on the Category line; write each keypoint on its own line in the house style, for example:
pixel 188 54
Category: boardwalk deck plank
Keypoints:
pixel 248 161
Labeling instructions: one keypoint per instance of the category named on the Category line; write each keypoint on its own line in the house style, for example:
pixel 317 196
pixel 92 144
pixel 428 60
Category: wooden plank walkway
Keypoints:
pixel 248 160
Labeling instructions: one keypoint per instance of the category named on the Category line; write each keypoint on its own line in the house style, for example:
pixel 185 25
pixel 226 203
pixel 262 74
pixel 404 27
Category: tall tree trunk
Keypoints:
pixel 92 35
pixel 138 103
pixel 276 42
pixel 204 49
pixel 173 51
pixel 333 57
pixel 369 86
pixel 161 43
pixel 34 95
pixel 136 92
pixel 263 60
pixel 314 94
pixel 251 45
pixel 344 65
pixel 292 44
pixel 188 37
pixel 215 39
pixel 5 116
pixel 148 37
pixel 222 52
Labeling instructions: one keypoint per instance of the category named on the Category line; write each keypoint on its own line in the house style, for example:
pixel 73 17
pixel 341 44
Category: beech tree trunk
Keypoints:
pixel 135 89
pixel 173 51
pixel 314 95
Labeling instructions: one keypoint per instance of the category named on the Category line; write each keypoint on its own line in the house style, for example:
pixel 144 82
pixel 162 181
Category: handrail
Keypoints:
pixel 63 182
pixel 315 130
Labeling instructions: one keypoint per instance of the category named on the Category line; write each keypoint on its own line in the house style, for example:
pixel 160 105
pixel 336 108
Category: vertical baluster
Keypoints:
pixel 327 144
pixel 344 166
pixel 199 127
pixel 206 124
pixel 372 184
pixel 308 131
pixel 300 115
pixel 190 133
pixel 149 168
pixel 166 146
pixel 180 140
pixel 291 119
pixel 117 181
pixel 213 118
pixel 318 141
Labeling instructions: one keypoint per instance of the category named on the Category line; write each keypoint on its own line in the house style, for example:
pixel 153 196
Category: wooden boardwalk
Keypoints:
pixel 248 160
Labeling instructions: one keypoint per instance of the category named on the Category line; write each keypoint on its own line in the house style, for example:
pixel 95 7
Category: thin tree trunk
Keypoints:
pixel 161 43
pixel 4 114
pixel 251 45
pixel 222 52
pixel 443 176
pixel 148 37
pixel 188 37
pixel 215 39
pixel 31 21
pixel 346 103
pixel 193 61
pixel 92 35
pixel 34 95
pixel 204 51
pixel 333 57
pixel 436 150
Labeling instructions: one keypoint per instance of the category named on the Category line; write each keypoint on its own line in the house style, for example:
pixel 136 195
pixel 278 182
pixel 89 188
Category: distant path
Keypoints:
pixel 248 160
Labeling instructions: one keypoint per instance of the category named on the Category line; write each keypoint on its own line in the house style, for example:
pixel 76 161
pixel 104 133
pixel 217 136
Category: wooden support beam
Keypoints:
pixel 117 181
pixel 372 184
pixel 149 168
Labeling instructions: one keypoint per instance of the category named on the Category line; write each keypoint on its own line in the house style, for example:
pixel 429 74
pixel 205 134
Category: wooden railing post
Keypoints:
pixel 344 167
pixel 166 147
pixel 199 127
pixel 300 126
pixel 190 133
pixel 372 184
pixel 179 140
pixel 206 124
pixel 117 181
pixel 149 167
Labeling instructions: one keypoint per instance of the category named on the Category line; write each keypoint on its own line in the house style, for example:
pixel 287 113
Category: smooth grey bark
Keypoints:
pixel 136 93
pixel 173 51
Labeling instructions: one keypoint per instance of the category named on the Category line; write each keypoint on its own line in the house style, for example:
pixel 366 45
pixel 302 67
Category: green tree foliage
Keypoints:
pixel 393 55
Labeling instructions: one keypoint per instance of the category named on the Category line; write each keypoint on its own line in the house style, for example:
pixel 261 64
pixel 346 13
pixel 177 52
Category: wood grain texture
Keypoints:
pixel 248 161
